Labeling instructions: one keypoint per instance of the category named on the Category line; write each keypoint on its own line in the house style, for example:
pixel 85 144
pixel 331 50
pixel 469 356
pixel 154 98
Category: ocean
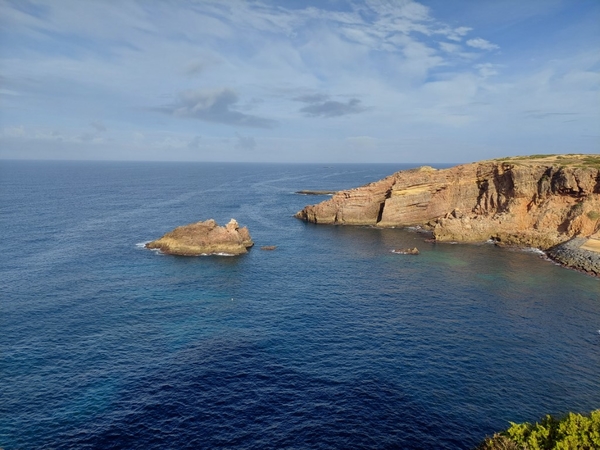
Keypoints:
pixel 330 341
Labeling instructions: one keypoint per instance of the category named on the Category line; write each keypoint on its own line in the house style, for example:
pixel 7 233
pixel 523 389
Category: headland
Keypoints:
pixel 541 201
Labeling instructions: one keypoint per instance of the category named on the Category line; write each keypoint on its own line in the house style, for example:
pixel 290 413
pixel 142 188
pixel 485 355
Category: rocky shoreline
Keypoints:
pixel 541 201
pixel 570 254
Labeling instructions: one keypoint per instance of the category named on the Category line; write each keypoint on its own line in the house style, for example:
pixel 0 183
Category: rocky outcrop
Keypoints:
pixel 538 201
pixel 204 238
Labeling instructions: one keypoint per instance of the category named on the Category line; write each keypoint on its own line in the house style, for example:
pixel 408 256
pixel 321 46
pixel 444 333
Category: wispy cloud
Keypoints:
pixel 286 70
pixel 456 34
pixel 481 44
pixel 538 114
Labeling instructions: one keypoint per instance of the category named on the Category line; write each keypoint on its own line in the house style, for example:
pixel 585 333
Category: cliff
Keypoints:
pixel 539 201
pixel 204 238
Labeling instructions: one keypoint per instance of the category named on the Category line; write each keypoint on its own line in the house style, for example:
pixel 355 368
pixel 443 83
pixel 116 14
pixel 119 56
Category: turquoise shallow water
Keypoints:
pixel 330 341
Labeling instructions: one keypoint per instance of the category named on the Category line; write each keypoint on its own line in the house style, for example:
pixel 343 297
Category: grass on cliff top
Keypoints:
pixel 567 160
pixel 573 431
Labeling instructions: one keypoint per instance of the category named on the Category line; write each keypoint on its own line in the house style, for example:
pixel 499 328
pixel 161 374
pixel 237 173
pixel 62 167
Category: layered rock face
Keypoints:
pixel 204 238
pixel 535 201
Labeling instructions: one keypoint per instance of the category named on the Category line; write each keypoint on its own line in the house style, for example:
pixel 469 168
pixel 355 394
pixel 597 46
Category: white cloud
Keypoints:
pixel 454 34
pixel 481 44
pixel 90 60
pixel 487 69
pixel 15 131
pixel 450 48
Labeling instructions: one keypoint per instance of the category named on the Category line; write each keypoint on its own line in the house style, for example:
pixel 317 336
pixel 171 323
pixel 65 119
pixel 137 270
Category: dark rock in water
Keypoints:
pixel 268 247
pixel 406 251
pixel 308 192
pixel 204 238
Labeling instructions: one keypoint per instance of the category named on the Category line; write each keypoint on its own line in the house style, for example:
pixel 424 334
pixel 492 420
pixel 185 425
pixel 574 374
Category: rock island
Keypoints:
pixel 551 202
pixel 204 238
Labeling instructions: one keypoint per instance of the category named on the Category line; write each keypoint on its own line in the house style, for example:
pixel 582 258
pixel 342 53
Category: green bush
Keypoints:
pixel 593 215
pixel 572 432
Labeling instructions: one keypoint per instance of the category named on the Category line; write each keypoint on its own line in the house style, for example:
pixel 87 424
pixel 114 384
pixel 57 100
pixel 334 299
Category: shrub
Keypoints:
pixel 593 215
pixel 591 161
pixel 573 431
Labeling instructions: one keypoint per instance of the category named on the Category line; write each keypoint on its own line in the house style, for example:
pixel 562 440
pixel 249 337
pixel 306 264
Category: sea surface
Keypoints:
pixel 330 341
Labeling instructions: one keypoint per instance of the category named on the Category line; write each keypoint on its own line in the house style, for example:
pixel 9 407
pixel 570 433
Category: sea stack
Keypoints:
pixel 205 238
pixel 539 201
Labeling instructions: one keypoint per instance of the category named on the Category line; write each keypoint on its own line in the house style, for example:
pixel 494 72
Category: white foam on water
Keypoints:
pixel 534 250
pixel 142 244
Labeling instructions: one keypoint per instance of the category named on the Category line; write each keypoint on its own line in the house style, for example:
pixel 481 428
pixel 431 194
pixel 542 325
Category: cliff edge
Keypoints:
pixel 204 238
pixel 537 201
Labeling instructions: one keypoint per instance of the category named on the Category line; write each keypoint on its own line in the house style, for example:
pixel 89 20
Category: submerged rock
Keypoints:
pixel 268 247
pixel 204 238
pixel 406 251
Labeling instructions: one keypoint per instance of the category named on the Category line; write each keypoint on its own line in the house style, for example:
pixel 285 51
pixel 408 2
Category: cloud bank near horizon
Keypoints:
pixel 347 81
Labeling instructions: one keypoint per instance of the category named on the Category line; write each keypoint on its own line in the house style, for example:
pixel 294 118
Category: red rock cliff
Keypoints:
pixel 533 201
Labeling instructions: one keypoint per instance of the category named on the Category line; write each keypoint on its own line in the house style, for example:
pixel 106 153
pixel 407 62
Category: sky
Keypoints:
pixel 396 81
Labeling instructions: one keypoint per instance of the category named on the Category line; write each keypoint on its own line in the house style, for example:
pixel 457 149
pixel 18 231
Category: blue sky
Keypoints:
pixel 298 81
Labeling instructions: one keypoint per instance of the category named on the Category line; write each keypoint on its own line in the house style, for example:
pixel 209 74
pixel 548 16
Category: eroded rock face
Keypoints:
pixel 537 202
pixel 204 238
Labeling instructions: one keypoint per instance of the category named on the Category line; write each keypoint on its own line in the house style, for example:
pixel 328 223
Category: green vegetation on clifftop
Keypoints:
pixel 572 432
pixel 568 160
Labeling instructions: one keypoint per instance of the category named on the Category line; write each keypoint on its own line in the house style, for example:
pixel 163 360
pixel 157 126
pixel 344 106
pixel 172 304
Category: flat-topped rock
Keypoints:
pixel 205 238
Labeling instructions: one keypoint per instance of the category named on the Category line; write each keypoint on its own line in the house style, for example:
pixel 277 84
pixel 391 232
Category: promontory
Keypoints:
pixel 204 238
pixel 551 202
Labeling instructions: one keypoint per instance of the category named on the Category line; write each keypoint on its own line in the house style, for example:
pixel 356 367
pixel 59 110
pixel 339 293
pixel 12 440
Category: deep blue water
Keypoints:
pixel 330 341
